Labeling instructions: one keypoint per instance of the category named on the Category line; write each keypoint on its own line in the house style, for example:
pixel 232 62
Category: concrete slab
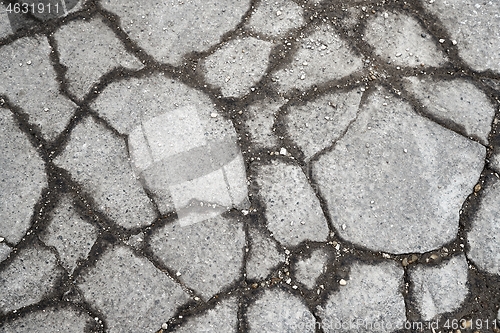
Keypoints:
pixel 307 270
pixel 275 18
pixel 22 179
pixel 30 82
pixel 130 292
pixel 293 211
pixel 263 257
pixel 395 182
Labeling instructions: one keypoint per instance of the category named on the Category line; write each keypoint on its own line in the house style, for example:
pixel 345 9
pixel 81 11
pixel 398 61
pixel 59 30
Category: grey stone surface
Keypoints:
pixel 28 278
pixel 475 27
pixel 318 124
pixel 275 18
pixel 307 270
pixel 99 162
pixel 459 101
pixel 264 255
pixel 395 182
pixel 222 318
pixel 169 30
pixel 371 301
pixel 86 57
pixel 398 38
pixel 237 65
pixel 484 248
pixel 291 316
pixel 22 178
pixel 5 28
pixel 182 150
pixel 321 56
pixel 5 250
pixel 130 292
pixel 260 123
pixel 440 289
pixel 29 81
pixel 495 162
pixel 70 234
pixel 50 321
pixel 293 211
pixel 206 256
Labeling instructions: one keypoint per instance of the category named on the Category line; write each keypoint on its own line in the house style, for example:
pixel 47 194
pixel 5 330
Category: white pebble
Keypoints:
pixel 342 282
pixel 164 326
pixel 283 151
pixel 442 40
pixel 213 115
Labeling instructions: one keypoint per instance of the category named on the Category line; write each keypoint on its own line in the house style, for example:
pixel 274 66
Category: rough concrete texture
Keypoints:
pixel 222 318
pixel 99 162
pixel 275 18
pixel 5 250
pixel 401 40
pixel 173 127
pixel 172 29
pixel 196 166
pixel 321 56
pixel 261 116
pixel 243 61
pixel 307 270
pixel 5 28
pixel 457 101
pixel 291 316
pixel 29 81
pixel 404 176
pixel 295 215
pixel 371 301
pixel 70 234
pixel 440 289
pixel 22 179
pixel 206 256
pixel 263 257
pixel 318 124
pixel 88 58
pixel 28 278
pixel 51 321
pixel 484 248
pixel 134 296
pixel 475 27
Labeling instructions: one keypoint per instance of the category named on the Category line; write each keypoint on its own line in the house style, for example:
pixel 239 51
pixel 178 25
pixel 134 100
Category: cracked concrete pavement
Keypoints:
pixel 249 166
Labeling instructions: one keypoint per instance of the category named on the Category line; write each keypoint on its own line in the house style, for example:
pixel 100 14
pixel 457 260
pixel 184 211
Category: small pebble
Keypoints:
pixel 477 188
pixel 283 151
pixel 213 115
pixel 342 282
pixel 454 42
pixel 164 326
pixel 2 239
pixel 278 13
pixel 442 41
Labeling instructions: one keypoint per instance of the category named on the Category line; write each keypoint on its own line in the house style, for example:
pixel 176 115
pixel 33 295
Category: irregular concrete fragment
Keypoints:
pixel 98 161
pixel 50 321
pixel 168 30
pixel 322 56
pixel 88 58
pixel 237 65
pixel 475 27
pixel 395 182
pixel 264 255
pixel 398 38
pixel 130 292
pixel 261 116
pixel 222 318
pixel 317 124
pixel 440 289
pixel 370 301
pixel 293 211
pixel 30 82
pixel 307 270
pixel 276 18
pixel 484 247
pixel 5 250
pixel 28 278
pixel 208 255
pixel 187 159
pixel 458 101
pixel 495 161
pixel 292 315
pixel 22 178
pixel 5 28
pixel 70 234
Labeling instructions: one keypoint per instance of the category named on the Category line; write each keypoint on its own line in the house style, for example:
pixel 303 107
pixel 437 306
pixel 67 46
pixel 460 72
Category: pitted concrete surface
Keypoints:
pixel 249 166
